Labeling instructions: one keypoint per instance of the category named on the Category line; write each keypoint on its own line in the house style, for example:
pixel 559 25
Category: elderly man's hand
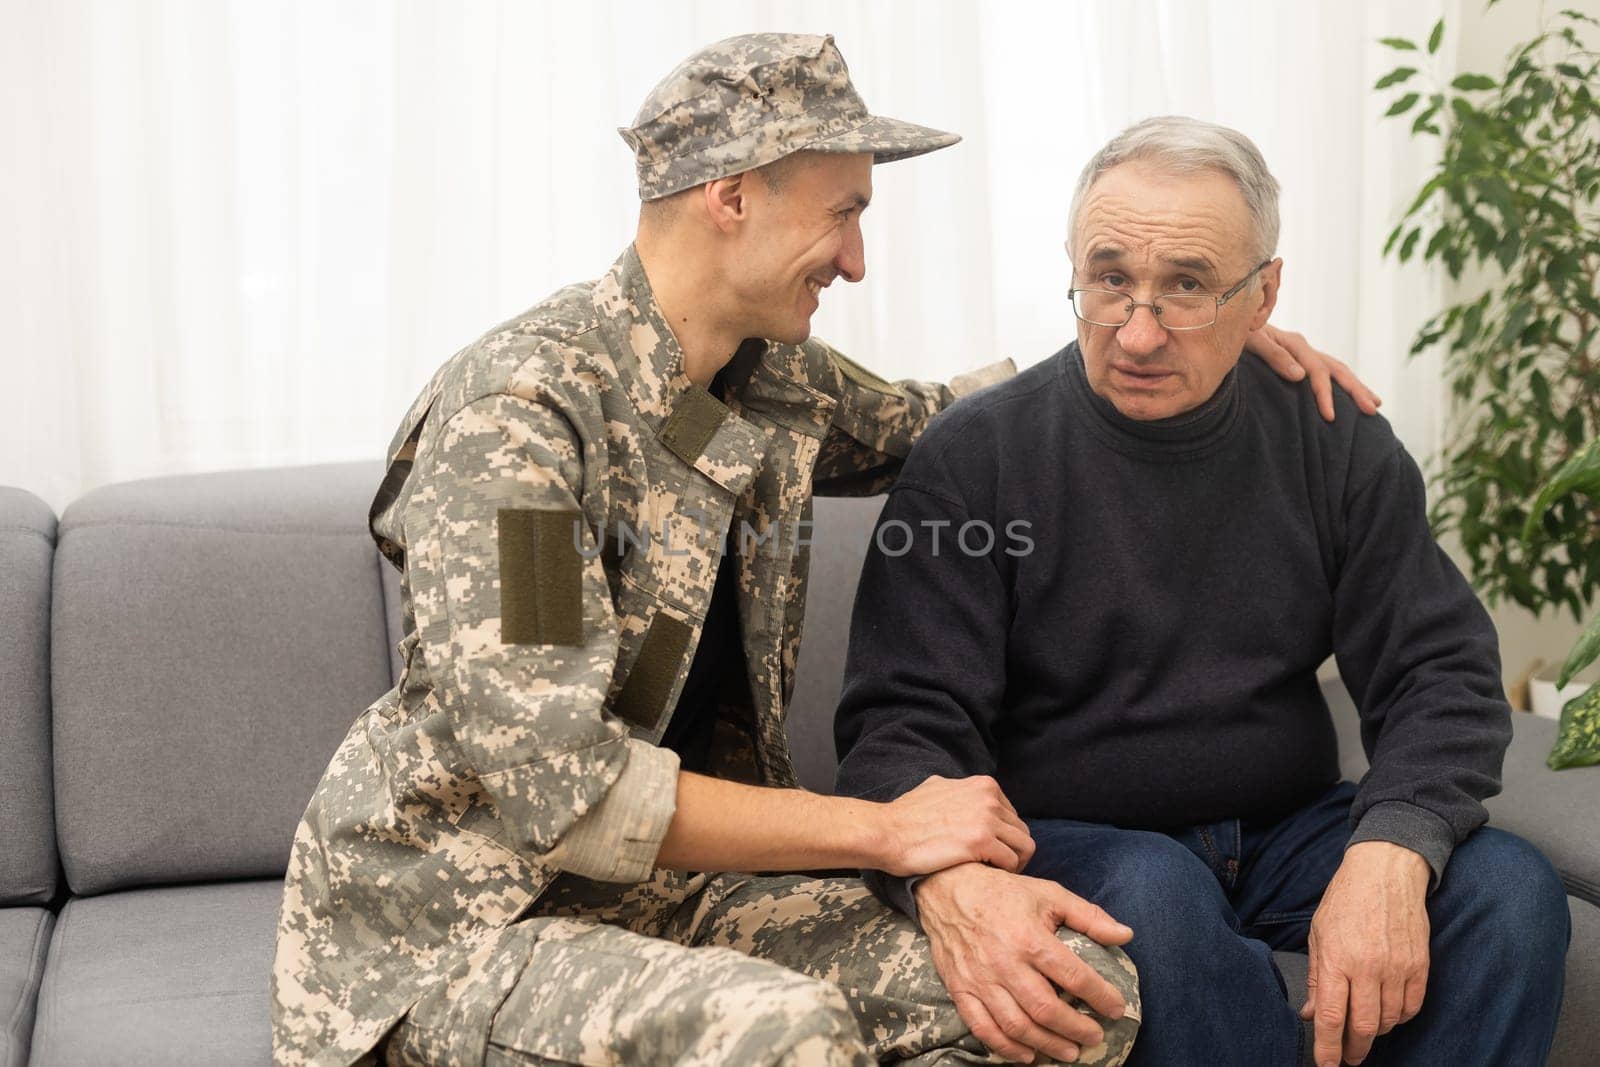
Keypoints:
pixel 1368 950
pixel 994 942
pixel 1292 356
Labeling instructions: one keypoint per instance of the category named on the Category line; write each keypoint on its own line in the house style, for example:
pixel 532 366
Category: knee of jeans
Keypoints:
pixel 1157 884
pixel 1515 896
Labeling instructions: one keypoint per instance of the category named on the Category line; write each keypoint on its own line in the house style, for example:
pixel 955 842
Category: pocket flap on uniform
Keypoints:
pixel 644 695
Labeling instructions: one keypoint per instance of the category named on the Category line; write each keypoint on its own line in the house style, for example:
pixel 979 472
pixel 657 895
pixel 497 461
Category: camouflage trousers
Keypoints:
pixel 724 969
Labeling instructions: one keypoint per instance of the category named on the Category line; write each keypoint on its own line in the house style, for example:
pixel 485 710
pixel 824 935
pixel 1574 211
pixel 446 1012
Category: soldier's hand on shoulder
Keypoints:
pixel 1294 358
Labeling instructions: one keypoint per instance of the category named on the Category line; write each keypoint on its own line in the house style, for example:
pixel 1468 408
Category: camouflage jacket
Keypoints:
pixel 543 653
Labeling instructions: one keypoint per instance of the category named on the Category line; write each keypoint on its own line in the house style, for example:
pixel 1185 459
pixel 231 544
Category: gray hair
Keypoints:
pixel 1179 145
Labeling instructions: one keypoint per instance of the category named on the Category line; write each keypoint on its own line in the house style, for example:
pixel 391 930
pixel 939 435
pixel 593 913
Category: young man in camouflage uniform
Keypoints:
pixel 500 864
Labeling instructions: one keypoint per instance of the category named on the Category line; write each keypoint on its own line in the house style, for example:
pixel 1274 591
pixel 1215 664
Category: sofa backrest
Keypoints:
pixel 27 825
pixel 842 530
pixel 213 637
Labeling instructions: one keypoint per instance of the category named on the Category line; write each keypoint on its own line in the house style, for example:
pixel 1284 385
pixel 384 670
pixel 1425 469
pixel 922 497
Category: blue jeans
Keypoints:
pixel 1209 904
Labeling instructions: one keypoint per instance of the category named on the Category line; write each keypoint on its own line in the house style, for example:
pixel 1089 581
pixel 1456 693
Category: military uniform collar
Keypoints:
pixel 691 423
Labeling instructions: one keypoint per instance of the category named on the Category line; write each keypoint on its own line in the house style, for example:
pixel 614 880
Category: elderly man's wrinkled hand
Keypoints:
pixel 1368 950
pixel 1292 356
pixel 993 936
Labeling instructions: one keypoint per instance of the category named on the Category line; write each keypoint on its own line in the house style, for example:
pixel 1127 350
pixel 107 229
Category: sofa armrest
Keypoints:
pixel 1556 810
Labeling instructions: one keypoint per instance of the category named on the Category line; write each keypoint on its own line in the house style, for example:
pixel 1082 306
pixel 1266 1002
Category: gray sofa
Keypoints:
pixel 179 658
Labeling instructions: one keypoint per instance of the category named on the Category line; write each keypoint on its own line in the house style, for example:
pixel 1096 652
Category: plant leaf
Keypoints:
pixel 1408 244
pixel 1402 105
pixel 1580 474
pixel 1440 237
pixel 1429 187
pixel 1466 82
pixel 1394 235
pixel 1394 77
pixel 1585 652
pixel 1435 37
pixel 1399 44
pixel 1578 736
pixel 1539 386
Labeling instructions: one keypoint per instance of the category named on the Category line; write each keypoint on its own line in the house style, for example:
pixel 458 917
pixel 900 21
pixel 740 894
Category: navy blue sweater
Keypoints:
pixel 1143 651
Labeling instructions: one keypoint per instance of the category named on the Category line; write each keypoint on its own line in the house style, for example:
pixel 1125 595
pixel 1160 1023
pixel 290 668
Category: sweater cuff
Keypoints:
pixel 1409 826
pixel 970 382
pixel 617 840
pixel 899 893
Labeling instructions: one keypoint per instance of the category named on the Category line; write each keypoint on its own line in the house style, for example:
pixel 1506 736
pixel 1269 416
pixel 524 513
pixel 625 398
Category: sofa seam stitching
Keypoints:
pixel 48 1004
pixel 184 999
pixel 32 984
pixel 1581 888
pixel 210 528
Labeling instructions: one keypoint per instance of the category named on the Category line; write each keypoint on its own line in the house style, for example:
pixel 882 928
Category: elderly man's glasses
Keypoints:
pixel 1173 311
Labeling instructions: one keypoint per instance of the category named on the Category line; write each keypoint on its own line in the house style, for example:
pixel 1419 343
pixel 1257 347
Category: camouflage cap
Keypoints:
pixel 746 101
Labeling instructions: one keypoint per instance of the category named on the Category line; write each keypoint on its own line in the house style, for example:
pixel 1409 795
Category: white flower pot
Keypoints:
pixel 1546 699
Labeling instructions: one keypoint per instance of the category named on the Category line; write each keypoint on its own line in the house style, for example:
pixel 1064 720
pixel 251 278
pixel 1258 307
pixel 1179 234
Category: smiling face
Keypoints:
pixel 1147 233
pixel 799 237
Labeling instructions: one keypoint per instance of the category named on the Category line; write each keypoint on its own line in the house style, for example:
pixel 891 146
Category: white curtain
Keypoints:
pixel 244 233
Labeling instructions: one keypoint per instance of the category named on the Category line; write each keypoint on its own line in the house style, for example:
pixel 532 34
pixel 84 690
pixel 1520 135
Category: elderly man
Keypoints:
pixel 1148 548
pixel 597 509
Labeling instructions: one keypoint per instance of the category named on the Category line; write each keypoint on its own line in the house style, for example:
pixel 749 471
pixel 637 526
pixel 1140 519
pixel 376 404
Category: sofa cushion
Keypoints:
pixel 24 938
pixel 27 820
pixel 171 976
pixel 213 638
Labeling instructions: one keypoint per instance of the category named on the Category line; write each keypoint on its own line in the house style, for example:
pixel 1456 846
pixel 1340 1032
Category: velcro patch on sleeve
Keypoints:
pixel 541 577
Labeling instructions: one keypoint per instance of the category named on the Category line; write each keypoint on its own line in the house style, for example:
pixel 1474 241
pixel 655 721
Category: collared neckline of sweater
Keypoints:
pixel 1194 434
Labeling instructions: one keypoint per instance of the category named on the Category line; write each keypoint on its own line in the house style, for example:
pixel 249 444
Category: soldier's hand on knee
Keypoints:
pixel 947 821
pixel 994 943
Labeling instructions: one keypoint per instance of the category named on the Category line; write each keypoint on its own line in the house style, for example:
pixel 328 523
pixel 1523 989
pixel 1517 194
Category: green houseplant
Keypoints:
pixel 1512 200
pixel 1578 740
